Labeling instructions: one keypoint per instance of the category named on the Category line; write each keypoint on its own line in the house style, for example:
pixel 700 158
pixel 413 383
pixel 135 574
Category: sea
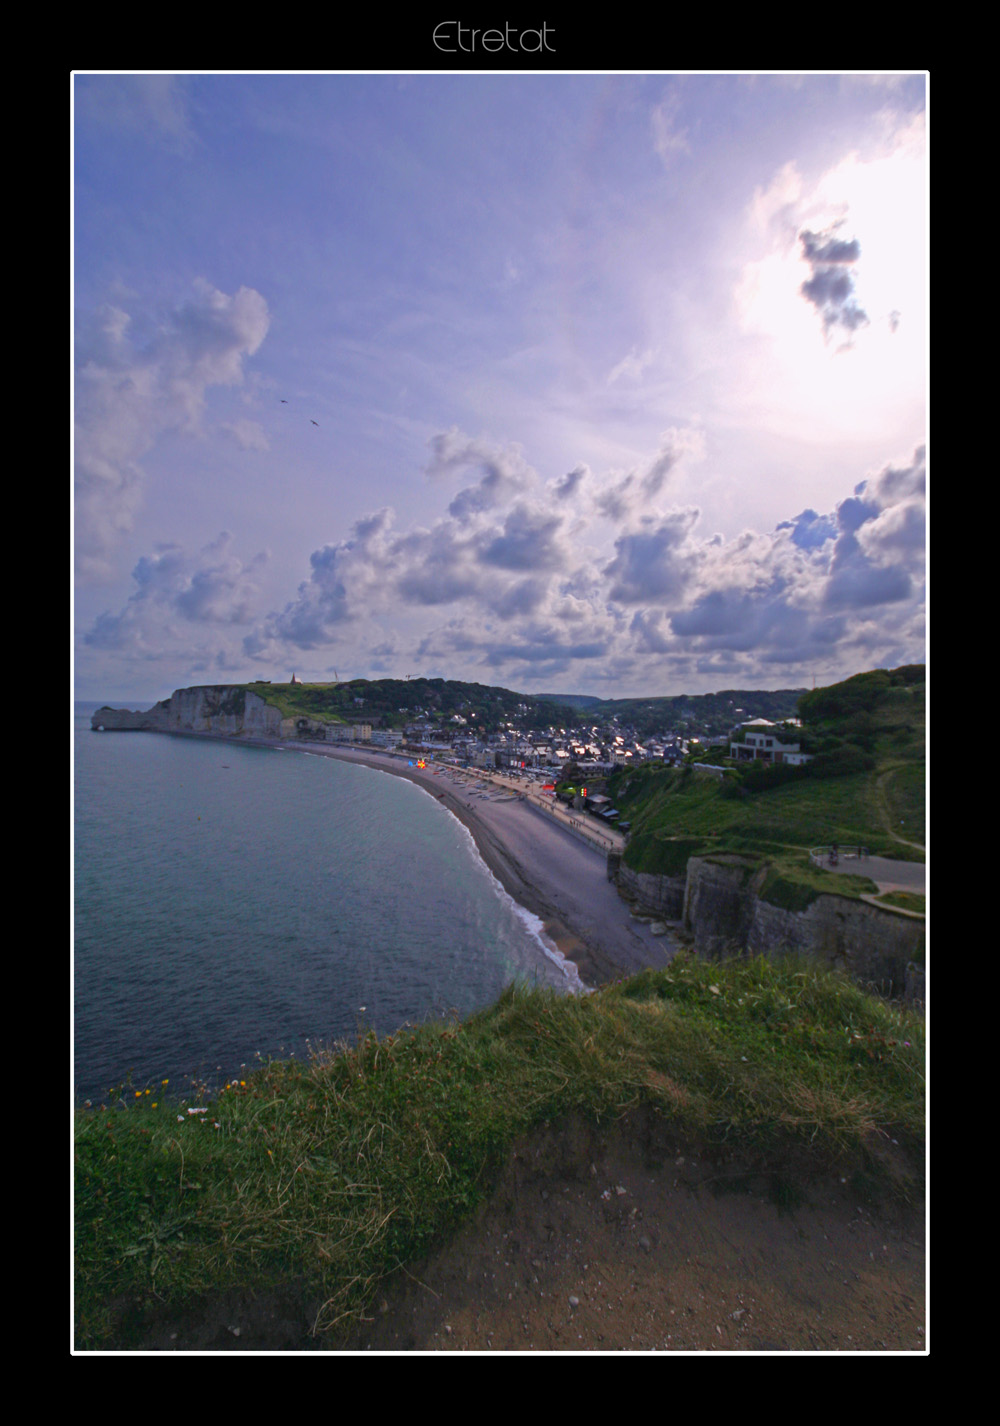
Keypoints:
pixel 235 904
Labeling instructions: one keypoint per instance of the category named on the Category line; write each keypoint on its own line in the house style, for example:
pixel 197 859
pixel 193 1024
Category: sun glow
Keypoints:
pixel 857 364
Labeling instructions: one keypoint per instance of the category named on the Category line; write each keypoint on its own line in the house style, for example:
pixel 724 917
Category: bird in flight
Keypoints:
pixel 315 423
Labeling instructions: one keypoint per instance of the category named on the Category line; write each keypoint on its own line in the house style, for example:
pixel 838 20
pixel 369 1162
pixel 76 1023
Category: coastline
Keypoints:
pixel 541 865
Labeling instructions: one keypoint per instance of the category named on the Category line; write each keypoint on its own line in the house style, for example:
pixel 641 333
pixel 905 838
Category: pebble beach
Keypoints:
pixel 546 867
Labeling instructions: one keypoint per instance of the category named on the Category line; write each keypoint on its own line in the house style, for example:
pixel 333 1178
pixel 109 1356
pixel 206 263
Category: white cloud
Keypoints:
pixel 508 587
pixel 248 435
pixel 669 140
pixel 623 498
pixel 154 106
pixel 177 594
pixel 129 394
pixel 632 366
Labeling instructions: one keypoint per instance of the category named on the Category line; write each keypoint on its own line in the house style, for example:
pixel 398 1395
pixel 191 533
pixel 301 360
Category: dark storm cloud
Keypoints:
pixel 809 530
pixel 567 485
pixel 655 563
pixel 820 251
pixel 527 541
pixel 831 287
pixel 856 583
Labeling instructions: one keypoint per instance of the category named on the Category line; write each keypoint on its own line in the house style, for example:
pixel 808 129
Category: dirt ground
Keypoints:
pixel 599 1241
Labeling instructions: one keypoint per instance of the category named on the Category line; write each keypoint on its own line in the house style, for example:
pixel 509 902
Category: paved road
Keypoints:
pixel 889 874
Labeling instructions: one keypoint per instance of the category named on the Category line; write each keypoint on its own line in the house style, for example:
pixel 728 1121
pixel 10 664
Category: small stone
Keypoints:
pixel 574 1302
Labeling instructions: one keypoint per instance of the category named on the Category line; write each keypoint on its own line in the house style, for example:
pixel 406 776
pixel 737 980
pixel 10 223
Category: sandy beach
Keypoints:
pixel 547 869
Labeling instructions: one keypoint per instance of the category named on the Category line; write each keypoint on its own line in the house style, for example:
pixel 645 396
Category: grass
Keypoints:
pixel 906 900
pixel 665 806
pixel 870 729
pixel 794 883
pixel 334 1173
pixel 302 700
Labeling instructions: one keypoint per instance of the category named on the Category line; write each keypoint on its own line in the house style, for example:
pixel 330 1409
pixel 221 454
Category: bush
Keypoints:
pixel 661 856
pixel 787 893
pixel 760 777
pixel 841 762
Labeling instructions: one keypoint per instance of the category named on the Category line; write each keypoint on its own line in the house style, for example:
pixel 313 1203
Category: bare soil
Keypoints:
pixel 612 1239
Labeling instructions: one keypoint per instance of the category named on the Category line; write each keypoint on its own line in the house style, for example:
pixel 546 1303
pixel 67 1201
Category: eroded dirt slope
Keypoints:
pixel 621 1239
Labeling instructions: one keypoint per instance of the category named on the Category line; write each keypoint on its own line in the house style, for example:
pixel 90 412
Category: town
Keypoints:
pixel 494 730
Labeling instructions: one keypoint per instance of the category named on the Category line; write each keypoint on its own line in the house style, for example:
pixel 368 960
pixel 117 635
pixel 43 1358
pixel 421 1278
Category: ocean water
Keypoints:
pixel 235 902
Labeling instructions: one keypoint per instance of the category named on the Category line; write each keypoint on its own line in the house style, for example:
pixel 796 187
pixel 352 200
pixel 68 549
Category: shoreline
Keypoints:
pixel 510 874
pixel 541 865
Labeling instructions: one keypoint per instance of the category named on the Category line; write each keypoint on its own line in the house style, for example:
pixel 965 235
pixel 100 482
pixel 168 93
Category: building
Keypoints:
pixel 760 741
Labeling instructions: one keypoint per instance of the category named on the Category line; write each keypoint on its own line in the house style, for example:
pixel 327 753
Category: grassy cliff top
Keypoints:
pixel 392 702
pixel 332 1174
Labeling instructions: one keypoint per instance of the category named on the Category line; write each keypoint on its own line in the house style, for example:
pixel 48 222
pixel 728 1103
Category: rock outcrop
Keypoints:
pixel 720 907
pixel 651 895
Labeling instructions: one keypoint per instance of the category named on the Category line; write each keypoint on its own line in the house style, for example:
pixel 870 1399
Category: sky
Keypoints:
pixel 584 383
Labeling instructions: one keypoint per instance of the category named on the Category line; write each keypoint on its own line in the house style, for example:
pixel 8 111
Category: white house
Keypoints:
pixel 760 740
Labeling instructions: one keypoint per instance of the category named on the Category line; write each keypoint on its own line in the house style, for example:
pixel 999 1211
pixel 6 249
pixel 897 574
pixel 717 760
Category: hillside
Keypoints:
pixel 701 713
pixel 445 705
pixel 864 786
pixel 712 714
pixel 393 702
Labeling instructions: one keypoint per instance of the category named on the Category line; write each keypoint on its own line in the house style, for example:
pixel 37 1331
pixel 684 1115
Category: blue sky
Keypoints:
pixel 603 383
